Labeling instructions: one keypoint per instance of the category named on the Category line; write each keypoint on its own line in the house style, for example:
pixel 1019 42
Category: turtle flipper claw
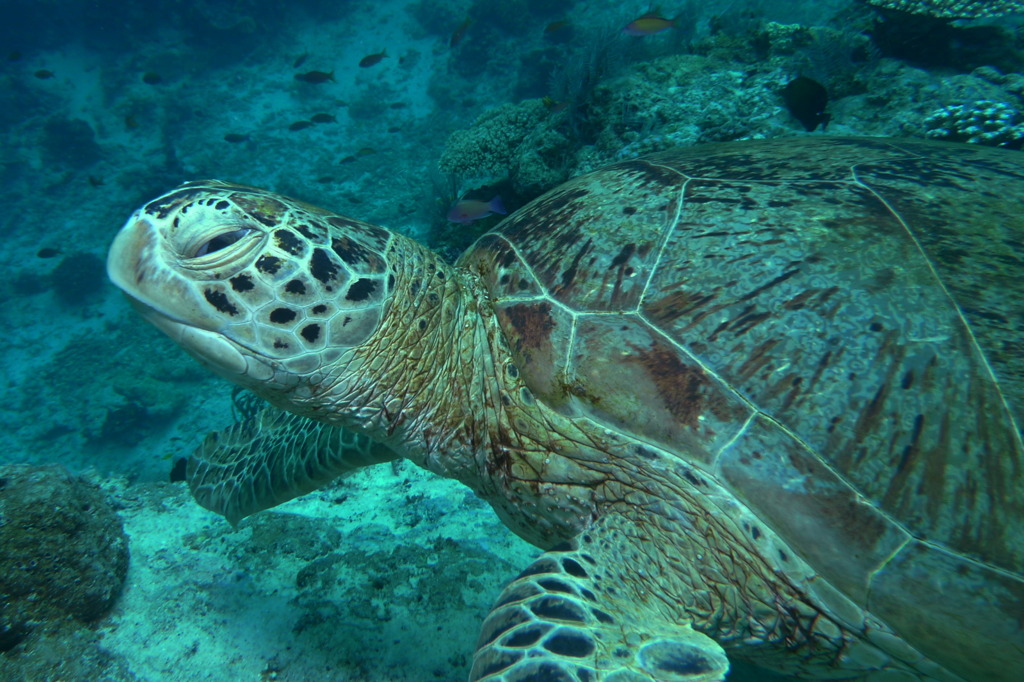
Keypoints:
pixel 554 623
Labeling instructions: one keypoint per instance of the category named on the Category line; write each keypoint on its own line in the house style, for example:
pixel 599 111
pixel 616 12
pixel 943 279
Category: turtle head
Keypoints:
pixel 267 291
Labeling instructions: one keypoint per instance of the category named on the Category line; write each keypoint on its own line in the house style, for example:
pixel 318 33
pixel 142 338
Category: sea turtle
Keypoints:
pixel 759 397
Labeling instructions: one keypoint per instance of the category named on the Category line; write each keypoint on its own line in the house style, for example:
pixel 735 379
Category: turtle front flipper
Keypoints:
pixel 273 456
pixel 556 622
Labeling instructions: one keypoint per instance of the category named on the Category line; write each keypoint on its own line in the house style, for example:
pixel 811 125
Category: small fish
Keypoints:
pixel 348 159
pixel 459 33
pixel 806 99
pixel 300 60
pixel 235 138
pixel 96 181
pixel 325 179
pixel 366 151
pixel 315 77
pixel 466 211
pixel 395 129
pixel 48 252
pixel 556 26
pixel 323 118
pixel 43 74
pixel 397 105
pixel 553 104
pixel 648 25
pixel 13 56
pixel 151 78
pixel 300 125
pixel 130 122
pixel 371 59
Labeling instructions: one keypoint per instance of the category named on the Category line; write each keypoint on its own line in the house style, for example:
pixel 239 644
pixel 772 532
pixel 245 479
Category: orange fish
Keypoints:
pixel 648 25
pixel 466 211
pixel 556 26
pixel 371 59
pixel 458 33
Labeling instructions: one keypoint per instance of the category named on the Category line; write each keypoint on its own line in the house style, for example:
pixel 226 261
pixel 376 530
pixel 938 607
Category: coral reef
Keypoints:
pixel 63 551
pixel 78 278
pixel 513 140
pixel 491 144
pixel 69 142
pixel 1011 82
pixel 995 124
pixel 681 100
pixel 953 9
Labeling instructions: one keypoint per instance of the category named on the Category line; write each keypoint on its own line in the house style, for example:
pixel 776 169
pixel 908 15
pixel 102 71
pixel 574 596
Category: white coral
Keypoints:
pixel 954 9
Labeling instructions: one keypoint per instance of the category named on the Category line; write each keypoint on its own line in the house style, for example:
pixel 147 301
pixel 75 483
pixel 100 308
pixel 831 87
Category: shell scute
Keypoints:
pixel 977 622
pixel 539 334
pixel 838 532
pixel 593 242
pixel 637 381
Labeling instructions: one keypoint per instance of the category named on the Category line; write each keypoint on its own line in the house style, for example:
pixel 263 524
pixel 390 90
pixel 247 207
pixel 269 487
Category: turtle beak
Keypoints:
pixel 165 299
pixel 129 254
pixel 139 266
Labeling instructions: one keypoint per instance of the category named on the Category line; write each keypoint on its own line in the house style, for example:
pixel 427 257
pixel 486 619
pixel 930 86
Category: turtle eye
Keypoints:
pixel 221 241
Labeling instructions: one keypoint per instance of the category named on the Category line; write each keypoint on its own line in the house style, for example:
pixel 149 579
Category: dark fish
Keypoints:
pixel 130 122
pixel 395 129
pixel 13 56
pixel 366 151
pixel 235 138
pixel 459 33
pixel 44 74
pixel 371 59
pixel 300 60
pixel 178 471
pixel 315 77
pixel 806 99
pixel 95 181
pixel 323 118
pixel 348 159
pixel 398 105
pixel 48 252
pixel 325 179
pixel 300 125
pixel 151 78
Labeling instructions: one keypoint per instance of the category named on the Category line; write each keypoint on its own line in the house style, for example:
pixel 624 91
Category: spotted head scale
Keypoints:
pixel 261 289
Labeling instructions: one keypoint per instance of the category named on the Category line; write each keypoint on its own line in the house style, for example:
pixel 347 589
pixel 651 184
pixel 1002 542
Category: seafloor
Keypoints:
pixel 388 574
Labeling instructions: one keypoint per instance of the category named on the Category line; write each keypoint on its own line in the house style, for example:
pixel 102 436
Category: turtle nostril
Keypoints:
pixel 221 241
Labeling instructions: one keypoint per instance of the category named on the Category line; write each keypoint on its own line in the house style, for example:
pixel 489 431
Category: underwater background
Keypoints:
pixel 413 114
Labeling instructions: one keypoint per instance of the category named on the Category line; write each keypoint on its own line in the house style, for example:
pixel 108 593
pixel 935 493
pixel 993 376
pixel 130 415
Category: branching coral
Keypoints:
pixel 516 141
pixel 954 9
pixel 983 122
pixel 492 143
